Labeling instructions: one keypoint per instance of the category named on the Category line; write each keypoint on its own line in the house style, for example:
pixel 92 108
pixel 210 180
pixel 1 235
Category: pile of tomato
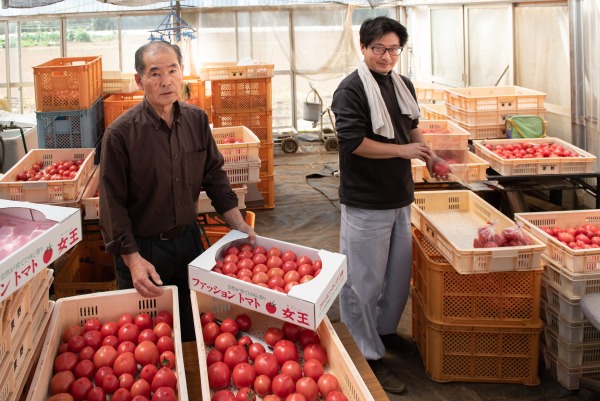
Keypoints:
pixel 584 236
pixel 63 170
pixel 291 367
pixel 526 150
pixel 132 359
pixel 271 268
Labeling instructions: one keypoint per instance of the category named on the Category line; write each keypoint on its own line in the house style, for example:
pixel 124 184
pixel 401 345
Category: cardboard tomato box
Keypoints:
pixel 305 305
pixel 61 231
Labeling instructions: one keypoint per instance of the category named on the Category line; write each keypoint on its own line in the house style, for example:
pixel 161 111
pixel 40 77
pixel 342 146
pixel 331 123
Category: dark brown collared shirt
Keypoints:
pixel 151 175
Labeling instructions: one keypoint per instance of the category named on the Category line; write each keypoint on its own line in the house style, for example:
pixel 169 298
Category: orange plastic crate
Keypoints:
pixel 214 228
pixel 119 103
pixel 495 98
pixel 259 123
pixel 241 95
pixel 479 299
pixel 194 91
pixel 68 83
pixel 266 187
pixel 267 165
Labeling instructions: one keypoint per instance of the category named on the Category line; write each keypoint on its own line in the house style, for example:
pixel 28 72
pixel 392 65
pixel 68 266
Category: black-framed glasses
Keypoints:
pixel 380 50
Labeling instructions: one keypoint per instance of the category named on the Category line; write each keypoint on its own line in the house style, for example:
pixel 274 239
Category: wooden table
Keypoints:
pixel 192 371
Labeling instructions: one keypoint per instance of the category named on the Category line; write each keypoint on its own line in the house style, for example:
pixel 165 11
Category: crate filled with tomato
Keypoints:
pixel 251 356
pixel 112 345
pixel 287 281
pixel 534 156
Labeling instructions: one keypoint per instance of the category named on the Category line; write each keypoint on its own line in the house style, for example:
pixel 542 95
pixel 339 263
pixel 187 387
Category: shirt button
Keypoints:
pixel 178 203
pixel 175 157
pixel 176 179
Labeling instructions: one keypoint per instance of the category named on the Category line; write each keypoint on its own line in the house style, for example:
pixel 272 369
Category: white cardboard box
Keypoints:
pixel 305 305
pixel 22 265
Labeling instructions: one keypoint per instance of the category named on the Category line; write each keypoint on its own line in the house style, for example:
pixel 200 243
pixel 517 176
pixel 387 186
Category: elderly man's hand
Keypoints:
pixel 142 272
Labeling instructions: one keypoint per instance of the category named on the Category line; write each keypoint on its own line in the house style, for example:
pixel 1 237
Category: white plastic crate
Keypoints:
pixel 578 354
pixel 444 135
pixel 246 151
pixel 572 260
pixel 89 200
pixel 567 307
pixel 434 111
pixel 583 163
pixel 492 131
pixel 511 98
pixel 568 377
pixel 339 362
pixel 418 169
pixel 572 285
pixel 573 331
pixel 242 173
pixel 47 191
pixel 427 91
pixel 118 82
pixel 226 71
pixel 450 219
pixel 474 169
pixel 105 306
pixel 204 203
pixel 494 117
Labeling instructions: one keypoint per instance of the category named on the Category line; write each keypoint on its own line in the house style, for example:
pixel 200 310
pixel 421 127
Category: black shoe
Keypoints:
pixel 399 345
pixel 388 380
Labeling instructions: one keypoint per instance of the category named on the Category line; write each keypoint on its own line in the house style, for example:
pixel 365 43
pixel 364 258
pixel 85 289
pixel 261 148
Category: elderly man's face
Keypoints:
pixel 162 78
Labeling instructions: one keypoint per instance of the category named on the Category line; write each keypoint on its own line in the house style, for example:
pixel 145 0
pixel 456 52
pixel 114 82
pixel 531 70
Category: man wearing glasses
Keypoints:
pixel 377 119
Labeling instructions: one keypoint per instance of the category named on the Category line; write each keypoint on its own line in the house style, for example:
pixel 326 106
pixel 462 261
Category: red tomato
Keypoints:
pixel 165 377
pixel 140 398
pixel 122 394
pixel 259 250
pixel 315 351
pixel 274 261
pixel 105 356
pixel 143 321
pixel 210 332
pixel 80 388
pixel 336 396
pixel 291 331
pixel 75 344
pixel 288 255
pixel 86 353
pixel 260 268
pixel 244 273
pixel 271 397
pixel 65 361
pixel 206 317
pixel 214 355
pixel 147 335
pixel 259 259
pixel 110 383
pixel 128 332
pixel 318 264
pixel 255 349
pixel 275 281
pixel 71 331
pixel 266 364
pixel 243 321
pixel 292 368
pixel 245 263
pixel 235 354
pixel 224 341
pixel 313 368
pixel 165 317
pixel 126 380
pixel 275 272
pixel 146 353
pixel 306 278
pixel 165 343
pixel 223 395
pixel 295 397
pixel 272 335
pixel 126 346
pixel 92 324
pixel 305 270
pixel 288 286
pixel 61 382
pixel 288 266
pixel 93 338
pixel 243 375
pixel 62 348
pixel 167 359
pixel 328 383
pixel 231 258
pixel 274 251
pixel 262 385
pixel 245 341
pixel 125 363
pixel 219 375
pixel 290 276
pixel 109 329
pixel 162 329
pixel 308 388
pixel 124 318
pixel 164 394
pixel 111 340
pixel 96 394
pixel 148 372
pixel 85 368
pixel 285 350
pixel 245 394
pixel 308 337
pixel 140 387
pixel 260 278
pixel 232 250
pixel 283 385
pixel 304 260
pixel 229 268
pixel 229 326
pixel 101 374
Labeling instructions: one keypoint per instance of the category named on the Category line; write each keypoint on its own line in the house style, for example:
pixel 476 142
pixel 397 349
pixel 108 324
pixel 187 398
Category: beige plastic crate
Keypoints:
pixel 104 306
pixel 242 173
pixel 473 170
pixel 22 354
pixel 17 313
pixel 41 309
pixel 572 285
pixel 204 203
pixel 339 362
pixel 450 220
pixel 427 91
pixel 573 260
pixel 7 382
pixel 118 82
pixel 434 111
pixel 486 117
pixel 584 163
pixel 568 377
pixel 495 98
pixel 47 191
pixel 493 131
pixel 574 331
pixel 444 135
pixel 419 169
pixel 567 307
pixel 89 200
pixel 225 71
pixel 247 151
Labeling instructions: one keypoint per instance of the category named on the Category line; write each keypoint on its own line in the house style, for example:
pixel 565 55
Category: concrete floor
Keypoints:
pixel 306 212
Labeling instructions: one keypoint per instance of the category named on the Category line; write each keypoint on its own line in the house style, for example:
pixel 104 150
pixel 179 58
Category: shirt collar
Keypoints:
pixel 156 120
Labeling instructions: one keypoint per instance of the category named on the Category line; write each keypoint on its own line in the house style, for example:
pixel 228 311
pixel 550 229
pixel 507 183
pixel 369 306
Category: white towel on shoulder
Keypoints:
pixel 380 117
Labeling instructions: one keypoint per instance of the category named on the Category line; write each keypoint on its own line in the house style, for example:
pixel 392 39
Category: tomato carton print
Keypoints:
pixel 32 236
pixel 304 304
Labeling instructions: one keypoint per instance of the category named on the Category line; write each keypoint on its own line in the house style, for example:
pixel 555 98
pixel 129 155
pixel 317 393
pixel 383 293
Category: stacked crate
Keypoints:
pixel 571 342
pixel 69 104
pixel 482 110
pixel 24 316
pixel 241 96
pixel 476 311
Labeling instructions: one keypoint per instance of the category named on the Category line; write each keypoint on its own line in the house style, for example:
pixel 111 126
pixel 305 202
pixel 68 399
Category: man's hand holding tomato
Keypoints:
pixel 142 272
